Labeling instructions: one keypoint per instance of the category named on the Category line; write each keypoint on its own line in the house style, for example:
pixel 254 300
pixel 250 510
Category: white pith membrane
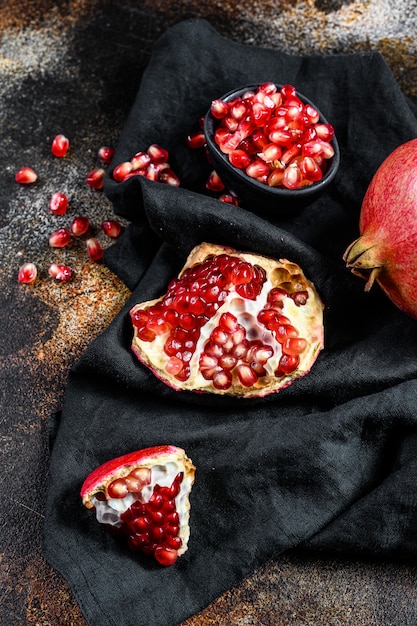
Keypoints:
pixel 306 318
pixel 109 511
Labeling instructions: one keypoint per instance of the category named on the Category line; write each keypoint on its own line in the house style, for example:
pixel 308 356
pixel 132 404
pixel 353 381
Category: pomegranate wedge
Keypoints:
pixel 232 323
pixel 144 496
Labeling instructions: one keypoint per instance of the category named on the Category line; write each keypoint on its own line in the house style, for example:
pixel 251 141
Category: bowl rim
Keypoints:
pixel 209 126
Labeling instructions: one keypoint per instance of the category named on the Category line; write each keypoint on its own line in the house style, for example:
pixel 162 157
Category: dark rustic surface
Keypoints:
pixel 75 68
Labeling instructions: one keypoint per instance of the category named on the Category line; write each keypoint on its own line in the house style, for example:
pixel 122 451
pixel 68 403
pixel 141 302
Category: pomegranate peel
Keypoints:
pixel 144 496
pixel 385 251
pixel 226 324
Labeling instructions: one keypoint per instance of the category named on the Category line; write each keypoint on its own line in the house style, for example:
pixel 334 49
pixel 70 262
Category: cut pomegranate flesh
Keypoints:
pixel 233 323
pixel 144 497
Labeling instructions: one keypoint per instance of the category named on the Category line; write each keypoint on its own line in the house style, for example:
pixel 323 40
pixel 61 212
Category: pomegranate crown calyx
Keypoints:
pixel 364 261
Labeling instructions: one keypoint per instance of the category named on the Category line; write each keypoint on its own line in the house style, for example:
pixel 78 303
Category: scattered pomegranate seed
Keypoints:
pixel 157 153
pixel 95 178
pixel 58 204
pixel 94 249
pixel 111 228
pixel 60 145
pixel 196 140
pixel 105 154
pixel 60 272
pixel 25 176
pixel 60 238
pixel 121 171
pixel 214 182
pixel 80 225
pixel 27 273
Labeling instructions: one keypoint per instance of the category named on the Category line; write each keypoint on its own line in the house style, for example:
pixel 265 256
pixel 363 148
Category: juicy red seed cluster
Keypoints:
pixel 153 527
pixel 152 164
pixel 191 301
pixel 274 137
pixel 58 205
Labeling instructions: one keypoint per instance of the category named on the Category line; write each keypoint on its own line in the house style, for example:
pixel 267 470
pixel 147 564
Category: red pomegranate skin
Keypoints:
pixel 387 247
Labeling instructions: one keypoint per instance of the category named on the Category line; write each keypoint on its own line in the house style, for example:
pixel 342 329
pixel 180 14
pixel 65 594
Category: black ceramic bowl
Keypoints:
pixel 258 196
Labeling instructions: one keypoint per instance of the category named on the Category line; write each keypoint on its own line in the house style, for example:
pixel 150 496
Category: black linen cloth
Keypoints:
pixel 329 463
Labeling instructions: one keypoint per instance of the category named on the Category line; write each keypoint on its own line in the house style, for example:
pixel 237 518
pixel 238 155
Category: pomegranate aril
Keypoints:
pixel 214 182
pixel 169 177
pixel 246 375
pixel 111 228
pixel 196 140
pixel 105 154
pixel 310 169
pixel 26 176
pixel 60 272
pixel 292 178
pixel 325 132
pixel 60 145
pixel 219 109
pixel 287 364
pixel 165 556
pixel 60 238
pixel 80 225
pixel 95 178
pixel 27 273
pixel 239 158
pixel 58 203
pixel 257 169
pixel 222 380
pixel 117 488
pixel 94 249
pixel 293 346
pixel 122 170
pixel 157 153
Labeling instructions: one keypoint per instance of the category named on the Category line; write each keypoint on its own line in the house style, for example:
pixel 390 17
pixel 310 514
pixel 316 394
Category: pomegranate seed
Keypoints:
pixel 196 140
pixel 239 158
pixel 271 152
pixel 105 154
pixel 27 273
pixel 275 177
pixel 214 182
pixel 60 238
pixel 95 178
pixel 165 556
pixel 122 170
pixel 229 198
pixel 219 109
pixel 60 145
pixel 157 153
pixel 95 251
pixel 287 364
pixel 140 160
pixel 325 132
pixel 80 225
pixel 118 488
pixel 60 272
pixel 246 375
pixel 25 176
pixel 58 203
pixel 111 228
pixel 168 177
pixel 292 178
pixel 257 169
pixel 293 346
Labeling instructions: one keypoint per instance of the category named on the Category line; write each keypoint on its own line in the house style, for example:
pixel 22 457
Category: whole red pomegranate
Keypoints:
pixel 386 250
pixel 144 496
pixel 232 323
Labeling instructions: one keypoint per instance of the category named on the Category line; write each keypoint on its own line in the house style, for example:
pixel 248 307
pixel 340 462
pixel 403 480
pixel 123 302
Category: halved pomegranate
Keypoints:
pixel 144 496
pixel 233 323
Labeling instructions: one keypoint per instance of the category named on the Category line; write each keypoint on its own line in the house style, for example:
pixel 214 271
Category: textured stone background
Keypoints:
pixel 75 68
